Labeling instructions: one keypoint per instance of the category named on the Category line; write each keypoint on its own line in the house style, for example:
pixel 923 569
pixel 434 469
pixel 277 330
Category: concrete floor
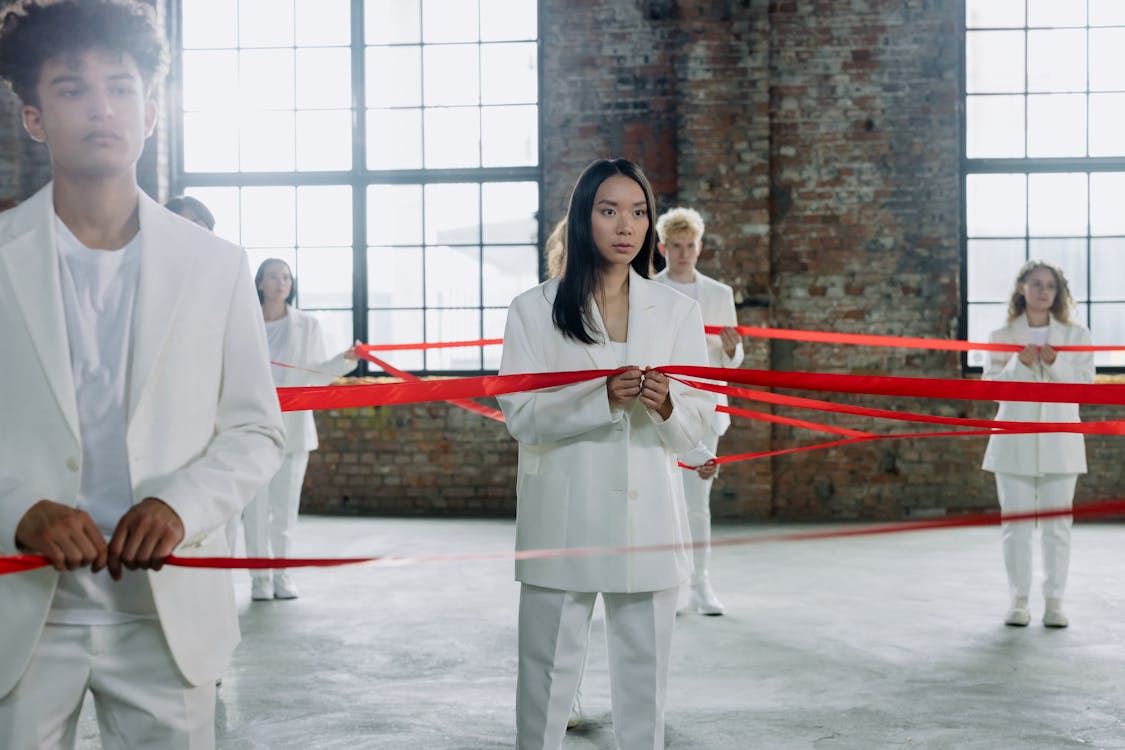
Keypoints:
pixel 861 643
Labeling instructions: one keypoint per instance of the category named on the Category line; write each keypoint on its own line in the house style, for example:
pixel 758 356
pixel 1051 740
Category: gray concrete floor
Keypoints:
pixel 861 643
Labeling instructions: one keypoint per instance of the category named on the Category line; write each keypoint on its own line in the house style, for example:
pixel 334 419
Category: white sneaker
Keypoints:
pixel 261 589
pixel 1053 616
pixel 283 587
pixel 575 717
pixel 1019 615
pixel 703 599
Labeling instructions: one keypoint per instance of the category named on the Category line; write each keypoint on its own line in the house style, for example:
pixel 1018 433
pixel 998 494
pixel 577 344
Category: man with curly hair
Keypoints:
pixel 138 408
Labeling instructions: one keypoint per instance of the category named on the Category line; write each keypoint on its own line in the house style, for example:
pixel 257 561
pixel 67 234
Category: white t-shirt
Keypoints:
pixel 277 335
pixel 691 289
pixel 1037 335
pixel 99 288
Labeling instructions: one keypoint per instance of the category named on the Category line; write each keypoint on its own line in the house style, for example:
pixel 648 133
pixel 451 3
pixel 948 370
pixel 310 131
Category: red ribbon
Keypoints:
pixel 472 406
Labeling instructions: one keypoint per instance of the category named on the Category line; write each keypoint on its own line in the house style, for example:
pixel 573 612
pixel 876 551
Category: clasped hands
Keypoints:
pixel 650 386
pixel 1031 354
pixel 145 536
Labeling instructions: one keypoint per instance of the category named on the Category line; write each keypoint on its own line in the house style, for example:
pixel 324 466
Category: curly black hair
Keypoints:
pixel 34 31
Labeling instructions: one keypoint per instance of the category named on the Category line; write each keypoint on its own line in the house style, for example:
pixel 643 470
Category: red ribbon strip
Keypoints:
pixel 464 403
pixel 362 349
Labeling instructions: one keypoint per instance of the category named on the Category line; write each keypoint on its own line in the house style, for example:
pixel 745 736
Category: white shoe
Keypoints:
pixel 261 589
pixel 703 599
pixel 1019 615
pixel 575 717
pixel 283 587
pixel 1053 616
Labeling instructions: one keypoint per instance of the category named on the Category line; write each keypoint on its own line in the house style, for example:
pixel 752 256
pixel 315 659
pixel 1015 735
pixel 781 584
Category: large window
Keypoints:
pixel 1044 157
pixel 387 149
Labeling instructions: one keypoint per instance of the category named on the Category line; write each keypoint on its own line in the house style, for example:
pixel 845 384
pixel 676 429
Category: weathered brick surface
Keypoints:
pixel 820 141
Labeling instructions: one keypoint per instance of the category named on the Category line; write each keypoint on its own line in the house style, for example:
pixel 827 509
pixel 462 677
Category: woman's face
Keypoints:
pixel 1040 288
pixel 619 221
pixel 276 283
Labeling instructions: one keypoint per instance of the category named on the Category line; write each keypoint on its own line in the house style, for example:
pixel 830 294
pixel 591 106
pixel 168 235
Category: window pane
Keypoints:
pixel 1107 13
pixel 994 13
pixel 210 142
pixel 324 140
pixel 1107 193
pixel 394 277
pixel 996 205
pixel 394 215
pixel 394 138
pixel 265 23
pixel 324 79
pixel 1107 59
pixel 494 321
pixel 207 81
pixel 222 202
pixel 1056 204
pixel 509 74
pixel 452 137
pixel 449 21
pixel 509 212
pixel 1056 60
pixel 507 19
pixel 452 214
pixel 1107 258
pixel 508 270
pixel 394 76
pixel 268 217
pixel 323 22
pixel 1107 112
pixel 511 136
pixel 992 265
pixel 268 142
pixel 1108 327
pixel 393 21
pixel 209 23
pixel 452 276
pixel 1068 254
pixel 266 78
pixel 451 75
pixel 994 126
pixel 994 62
pixel 397 327
pixel 324 277
pixel 337 327
pixel 453 325
pixel 324 215
pixel 1054 13
pixel 1056 125
pixel 983 320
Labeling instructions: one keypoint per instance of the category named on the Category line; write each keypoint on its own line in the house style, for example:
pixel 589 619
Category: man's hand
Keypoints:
pixel 730 339
pixel 67 537
pixel 623 387
pixel 654 393
pixel 144 537
pixel 707 470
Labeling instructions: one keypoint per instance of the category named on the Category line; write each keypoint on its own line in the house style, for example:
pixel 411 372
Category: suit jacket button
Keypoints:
pixel 632 494
pixel 72 464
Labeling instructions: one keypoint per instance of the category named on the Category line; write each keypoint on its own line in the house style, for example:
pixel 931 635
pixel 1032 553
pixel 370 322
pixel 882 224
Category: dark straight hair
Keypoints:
pixel 584 264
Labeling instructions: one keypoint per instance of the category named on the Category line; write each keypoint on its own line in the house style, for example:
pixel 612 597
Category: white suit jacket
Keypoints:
pixel 1046 453
pixel 203 428
pixel 306 350
pixel 592 476
pixel 716 303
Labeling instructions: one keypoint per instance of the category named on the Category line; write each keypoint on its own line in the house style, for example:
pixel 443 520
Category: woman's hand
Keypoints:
pixel 707 470
pixel 623 387
pixel 654 393
pixel 350 355
pixel 1029 355
pixel 1048 354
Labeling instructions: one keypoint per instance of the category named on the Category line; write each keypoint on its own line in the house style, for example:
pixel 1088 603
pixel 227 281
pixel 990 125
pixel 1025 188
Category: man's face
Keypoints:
pixel 93 114
pixel 681 251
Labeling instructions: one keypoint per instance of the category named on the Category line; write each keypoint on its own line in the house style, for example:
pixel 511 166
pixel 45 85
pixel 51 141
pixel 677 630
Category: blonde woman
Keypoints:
pixel 1037 472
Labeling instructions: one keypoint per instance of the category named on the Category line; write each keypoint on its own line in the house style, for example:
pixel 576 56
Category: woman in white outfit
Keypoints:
pixel 597 462
pixel 295 338
pixel 1036 472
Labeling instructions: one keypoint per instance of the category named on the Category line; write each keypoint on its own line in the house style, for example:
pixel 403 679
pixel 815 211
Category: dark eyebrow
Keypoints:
pixel 65 78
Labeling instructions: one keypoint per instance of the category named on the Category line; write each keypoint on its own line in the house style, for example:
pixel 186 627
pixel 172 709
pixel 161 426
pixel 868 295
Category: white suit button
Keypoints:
pixel 632 494
pixel 72 464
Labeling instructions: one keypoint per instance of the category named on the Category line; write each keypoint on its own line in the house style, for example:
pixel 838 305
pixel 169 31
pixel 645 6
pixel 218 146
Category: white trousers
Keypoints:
pixel 1021 494
pixel 697 494
pixel 142 700
pixel 270 519
pixel 553 629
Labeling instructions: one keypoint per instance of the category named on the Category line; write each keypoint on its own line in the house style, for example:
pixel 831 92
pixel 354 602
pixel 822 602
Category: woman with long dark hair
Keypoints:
pixel 597 462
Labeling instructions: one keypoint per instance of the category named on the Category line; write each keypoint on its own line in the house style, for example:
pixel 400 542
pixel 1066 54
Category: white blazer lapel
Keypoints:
pixel 602 352
pixel 642 322
pixel 166 273
pixel 31 261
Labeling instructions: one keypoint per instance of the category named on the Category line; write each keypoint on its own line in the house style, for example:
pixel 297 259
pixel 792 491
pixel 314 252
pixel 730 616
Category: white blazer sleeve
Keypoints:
pixel 551 414
pixel 1073 367
pixel 315 357
pixel 1005 365
pixel 247 445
